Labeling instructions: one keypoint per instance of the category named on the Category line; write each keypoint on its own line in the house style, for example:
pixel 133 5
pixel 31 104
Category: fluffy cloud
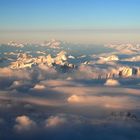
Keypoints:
pixel 39 87
pixel 97 71
pixel 40 71
pixel 25 78
pixel 20 74
pixel 112 82
pixel 46 72
pixel 86 72
pixel 20 84
pixel 58 83
pixel 132 59
pixel 103 101
pixel 127 51
pixel 125 48
pixel 29 99
pixel 53 121
pixel 76 99
pixel 24 123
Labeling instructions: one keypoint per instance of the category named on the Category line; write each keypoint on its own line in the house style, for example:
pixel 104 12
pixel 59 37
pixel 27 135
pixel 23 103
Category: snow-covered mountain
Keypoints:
pixel 14 44
pixel 27 61
pixel 110 58
pixel 52 44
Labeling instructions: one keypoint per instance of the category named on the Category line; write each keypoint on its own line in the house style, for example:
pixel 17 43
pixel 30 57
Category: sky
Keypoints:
pixel 72 20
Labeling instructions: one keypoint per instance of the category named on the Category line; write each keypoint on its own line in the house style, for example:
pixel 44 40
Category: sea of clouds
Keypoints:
pixel 43 103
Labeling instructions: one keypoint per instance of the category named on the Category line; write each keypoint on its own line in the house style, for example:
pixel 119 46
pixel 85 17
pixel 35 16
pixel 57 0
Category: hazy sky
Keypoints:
pixel 72 20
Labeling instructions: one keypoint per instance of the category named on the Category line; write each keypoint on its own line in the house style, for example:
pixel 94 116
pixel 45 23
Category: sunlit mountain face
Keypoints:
pixel 61 90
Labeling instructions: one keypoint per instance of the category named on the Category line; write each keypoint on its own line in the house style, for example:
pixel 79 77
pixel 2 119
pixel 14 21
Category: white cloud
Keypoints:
pixel 39 87
pixel 58 83
pixel 24 123
pixel 103 101
pixel 76 99
pixel 125 48
pixel 30 100
pixel 53 121
pixel 40 72
pixel 95 71
pixel 132 59
pixel 19 84
pixel 112 82
pixel 20 74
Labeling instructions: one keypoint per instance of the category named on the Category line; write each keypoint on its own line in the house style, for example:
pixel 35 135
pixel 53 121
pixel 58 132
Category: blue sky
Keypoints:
pixel 40 15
